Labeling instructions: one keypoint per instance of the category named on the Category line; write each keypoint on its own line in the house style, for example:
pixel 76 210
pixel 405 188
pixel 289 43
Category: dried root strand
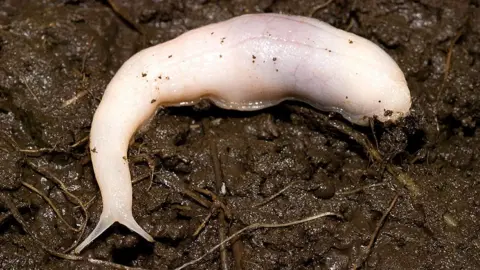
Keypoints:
pixel 74 199
pixel 18 217
pixel 256 226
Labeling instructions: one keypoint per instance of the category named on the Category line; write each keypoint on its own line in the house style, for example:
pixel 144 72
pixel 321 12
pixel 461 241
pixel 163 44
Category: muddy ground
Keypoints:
pixel 56 58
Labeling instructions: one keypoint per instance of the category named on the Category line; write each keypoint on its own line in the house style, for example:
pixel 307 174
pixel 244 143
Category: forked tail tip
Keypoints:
pixel 105 222
pixel 133 226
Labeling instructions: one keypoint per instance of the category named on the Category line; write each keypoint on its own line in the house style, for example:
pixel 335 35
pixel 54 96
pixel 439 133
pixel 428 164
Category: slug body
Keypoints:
pixel 246 63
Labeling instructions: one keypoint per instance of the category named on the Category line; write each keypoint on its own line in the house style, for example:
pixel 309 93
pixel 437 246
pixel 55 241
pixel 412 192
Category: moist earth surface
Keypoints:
pixel 408 194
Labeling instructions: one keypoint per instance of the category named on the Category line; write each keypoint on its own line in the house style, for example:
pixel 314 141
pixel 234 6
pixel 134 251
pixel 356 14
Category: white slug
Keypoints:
pixel 246 63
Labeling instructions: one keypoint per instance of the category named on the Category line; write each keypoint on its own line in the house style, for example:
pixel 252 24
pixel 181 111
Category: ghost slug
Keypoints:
pixel 246 63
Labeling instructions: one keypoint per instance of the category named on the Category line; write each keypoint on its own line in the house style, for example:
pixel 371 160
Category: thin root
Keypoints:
pixel 361 139
pixel 38 151
pixel 377 231
pixel 150 163
pixel 196 198
pixel 123 13
pixel 237 249
pixel 80 142
pixel 55 209
pixel 31 91
pixel 224 212
pixel 269 199
pixel 350 25
pixel 401 177
pixel 448 64
pixel 204 223
pixel 216 201
pixel 74 99
pixel 184 191
pixel 360 189
pixel 85 56
pixel 18 217
pixel 318 7
pixel 74 199
pixel 258 226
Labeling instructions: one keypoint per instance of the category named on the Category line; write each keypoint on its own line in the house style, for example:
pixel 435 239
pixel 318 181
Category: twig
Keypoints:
pixel 258 226
pixel 276 194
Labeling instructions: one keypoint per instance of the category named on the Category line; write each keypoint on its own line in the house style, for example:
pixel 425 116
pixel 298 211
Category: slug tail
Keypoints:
pixel 130 223
pixel 104 223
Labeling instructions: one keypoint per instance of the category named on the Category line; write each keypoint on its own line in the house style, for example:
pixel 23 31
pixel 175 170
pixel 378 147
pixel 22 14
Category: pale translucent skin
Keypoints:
pixel 246 63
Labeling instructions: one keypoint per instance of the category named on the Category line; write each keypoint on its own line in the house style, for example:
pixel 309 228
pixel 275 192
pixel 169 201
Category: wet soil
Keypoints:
pixel 56 58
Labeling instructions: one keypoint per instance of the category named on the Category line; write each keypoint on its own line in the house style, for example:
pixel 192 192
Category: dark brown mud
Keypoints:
pixel 56 58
